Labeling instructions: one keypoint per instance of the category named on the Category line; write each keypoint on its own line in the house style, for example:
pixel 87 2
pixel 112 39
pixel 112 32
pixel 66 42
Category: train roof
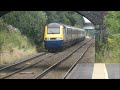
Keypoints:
pixel 54 25
pixel 67 26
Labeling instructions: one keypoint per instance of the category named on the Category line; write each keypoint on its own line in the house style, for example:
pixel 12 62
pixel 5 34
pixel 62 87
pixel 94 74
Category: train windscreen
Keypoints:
pixel 53 30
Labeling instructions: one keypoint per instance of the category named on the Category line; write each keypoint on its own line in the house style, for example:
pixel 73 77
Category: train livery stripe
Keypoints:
pixel 54 44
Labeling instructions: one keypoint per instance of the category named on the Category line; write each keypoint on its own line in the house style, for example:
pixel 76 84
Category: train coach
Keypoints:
pixel 57 36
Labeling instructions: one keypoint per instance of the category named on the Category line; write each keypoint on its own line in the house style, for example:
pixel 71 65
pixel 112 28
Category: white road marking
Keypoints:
pixel 99 71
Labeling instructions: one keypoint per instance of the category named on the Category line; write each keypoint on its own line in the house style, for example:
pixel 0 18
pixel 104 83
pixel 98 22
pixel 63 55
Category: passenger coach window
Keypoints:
pixel 53 30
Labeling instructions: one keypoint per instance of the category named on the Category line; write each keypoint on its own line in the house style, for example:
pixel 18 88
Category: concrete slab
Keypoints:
pixel 81 71
pixel 95 71
pixel 113 71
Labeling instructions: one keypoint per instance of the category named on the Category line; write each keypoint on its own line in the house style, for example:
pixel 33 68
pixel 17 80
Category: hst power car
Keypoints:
pixel 57 36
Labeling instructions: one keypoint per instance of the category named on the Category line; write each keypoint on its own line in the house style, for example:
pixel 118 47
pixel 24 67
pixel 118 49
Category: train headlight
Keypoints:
pixel 47 38
pixel 58 38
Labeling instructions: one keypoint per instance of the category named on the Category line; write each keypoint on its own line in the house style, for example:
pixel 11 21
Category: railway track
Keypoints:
pixel 1 66
pixel 41 67
pixel 19 66
pixel 21 61
pixel 54 72
pixel 67 73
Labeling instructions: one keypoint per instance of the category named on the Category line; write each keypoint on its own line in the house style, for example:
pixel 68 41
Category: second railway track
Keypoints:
pixel 19 66
pixel 40 68
pixel 62 68
pixel 21 61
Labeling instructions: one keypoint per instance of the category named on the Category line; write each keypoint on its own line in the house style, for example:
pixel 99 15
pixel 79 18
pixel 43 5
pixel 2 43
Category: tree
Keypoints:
pixel 65 17
pixel 112 22
pixel 30 23
pixel 52 16
pixel 2 25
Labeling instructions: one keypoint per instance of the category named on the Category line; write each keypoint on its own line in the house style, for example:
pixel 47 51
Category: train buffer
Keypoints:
pixel 95 71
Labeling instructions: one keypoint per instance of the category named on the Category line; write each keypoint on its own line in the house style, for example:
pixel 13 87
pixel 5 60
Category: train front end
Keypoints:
pixel 53 37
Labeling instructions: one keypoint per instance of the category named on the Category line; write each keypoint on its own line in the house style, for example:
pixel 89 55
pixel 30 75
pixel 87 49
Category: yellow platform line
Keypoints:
pixel 99 71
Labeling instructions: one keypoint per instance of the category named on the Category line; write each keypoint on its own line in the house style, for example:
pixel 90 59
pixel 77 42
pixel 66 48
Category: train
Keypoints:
pixel 58 36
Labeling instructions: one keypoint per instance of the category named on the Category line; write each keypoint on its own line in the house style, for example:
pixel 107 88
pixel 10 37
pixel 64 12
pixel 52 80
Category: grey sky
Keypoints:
pixel 86 20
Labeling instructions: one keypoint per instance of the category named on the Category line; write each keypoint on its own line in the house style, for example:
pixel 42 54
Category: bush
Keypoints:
pixel 30 23
pixel 112 22
pixel 9 40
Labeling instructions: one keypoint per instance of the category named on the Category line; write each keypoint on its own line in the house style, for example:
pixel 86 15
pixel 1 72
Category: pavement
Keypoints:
pixel 95 71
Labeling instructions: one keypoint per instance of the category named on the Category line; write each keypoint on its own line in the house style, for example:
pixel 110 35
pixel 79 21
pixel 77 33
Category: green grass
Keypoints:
pixel 13 46
pixel 9 40
pixel 112 55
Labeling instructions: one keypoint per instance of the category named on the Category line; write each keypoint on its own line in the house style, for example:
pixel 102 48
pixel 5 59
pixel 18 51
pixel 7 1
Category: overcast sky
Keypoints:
pixel 86 20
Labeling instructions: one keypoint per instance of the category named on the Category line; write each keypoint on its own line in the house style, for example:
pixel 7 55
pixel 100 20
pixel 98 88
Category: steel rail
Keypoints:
pixel 24 68
pixel 21 62
pixel 76 62
pixel 57 63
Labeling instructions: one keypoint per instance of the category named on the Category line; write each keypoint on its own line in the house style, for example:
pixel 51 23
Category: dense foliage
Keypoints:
pixel 31 23
pixel 112 22
pixel 66 17
pixel 21 32
pixel 10 39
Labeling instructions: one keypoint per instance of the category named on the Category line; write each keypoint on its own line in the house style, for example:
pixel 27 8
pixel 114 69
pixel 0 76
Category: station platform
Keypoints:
pixel 95 71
